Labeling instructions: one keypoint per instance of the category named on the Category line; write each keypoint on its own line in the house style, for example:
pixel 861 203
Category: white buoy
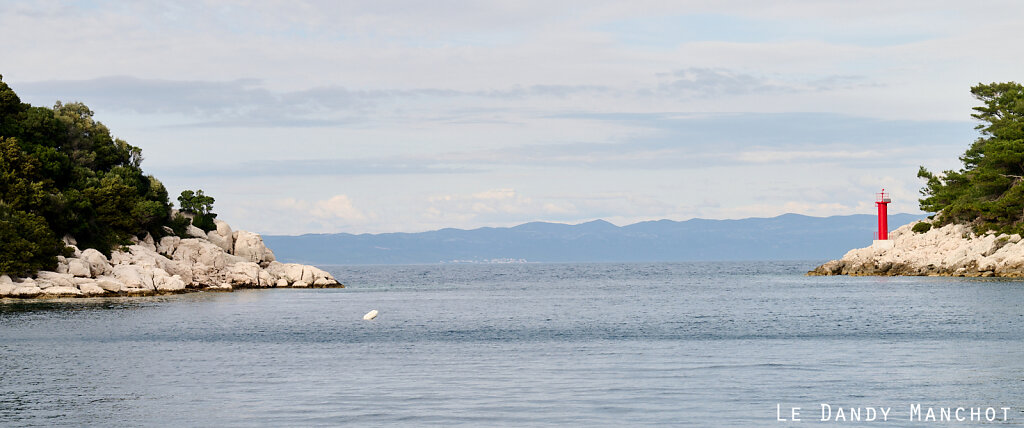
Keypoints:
pixel 370 315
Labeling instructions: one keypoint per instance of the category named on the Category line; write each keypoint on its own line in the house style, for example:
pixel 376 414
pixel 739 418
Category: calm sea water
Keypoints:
pixel 701 344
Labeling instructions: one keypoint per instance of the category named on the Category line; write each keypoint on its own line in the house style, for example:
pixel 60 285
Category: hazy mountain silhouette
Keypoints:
pixel 786 237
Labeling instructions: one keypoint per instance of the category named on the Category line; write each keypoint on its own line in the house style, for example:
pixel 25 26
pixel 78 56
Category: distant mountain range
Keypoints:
pixel 786 237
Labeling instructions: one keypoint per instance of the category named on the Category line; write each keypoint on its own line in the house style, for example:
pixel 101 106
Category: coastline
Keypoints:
pixel 220 260
pixel 950 250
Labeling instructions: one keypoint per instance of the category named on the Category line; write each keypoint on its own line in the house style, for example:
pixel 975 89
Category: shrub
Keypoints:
pixel 179 224
pixel 28 244
pixel 201 208
pixel 921 227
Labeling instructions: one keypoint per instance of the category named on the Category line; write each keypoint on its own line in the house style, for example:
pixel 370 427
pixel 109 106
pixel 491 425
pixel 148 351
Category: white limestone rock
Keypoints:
pixel 245 274
pixel 78 267
pixel 167 245
pixel 200 252
pixel 111 284
pixel 250 247
pixel 222 287
pixel 223 242
pixel 91 290
pixel 206 261
pixel 167 283
pixel 294 272
pixel 46 279
pixel 948 250
pixel 24 291
pixel 62 291
pixel 98 264
pixel 134 277
pixel 266 279
pixel 195 232
pixel 180 269
pixel 222 236
pixel 6 285
pixel 220 260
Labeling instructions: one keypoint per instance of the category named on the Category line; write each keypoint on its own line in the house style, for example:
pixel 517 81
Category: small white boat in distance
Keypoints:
pixel 370 315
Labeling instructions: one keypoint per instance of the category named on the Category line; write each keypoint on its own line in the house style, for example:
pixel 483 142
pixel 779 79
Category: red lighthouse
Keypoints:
pixel 882 201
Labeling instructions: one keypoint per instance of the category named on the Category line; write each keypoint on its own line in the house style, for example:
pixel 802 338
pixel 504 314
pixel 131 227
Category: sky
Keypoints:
pixel 401 116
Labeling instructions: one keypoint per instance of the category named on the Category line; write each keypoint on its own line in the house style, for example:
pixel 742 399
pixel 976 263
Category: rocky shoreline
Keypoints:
pixel 951 250
pixel 220 260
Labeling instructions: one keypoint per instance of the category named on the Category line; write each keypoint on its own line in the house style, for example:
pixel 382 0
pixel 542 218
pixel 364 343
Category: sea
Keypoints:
pixel 484 345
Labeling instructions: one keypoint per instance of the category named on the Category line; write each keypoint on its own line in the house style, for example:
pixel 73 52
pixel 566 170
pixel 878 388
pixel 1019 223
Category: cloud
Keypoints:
pixel 662 141
pixel 291 215
pixel 704 82
pixel 395 165
pixel 494 206
pixel 337 207
pixel 247 102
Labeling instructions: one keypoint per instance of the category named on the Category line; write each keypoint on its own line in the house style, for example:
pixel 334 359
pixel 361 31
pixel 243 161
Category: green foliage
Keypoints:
pixel 179 224
pixel 195 202
pixel 28 243
pixel 921 227
pixel 987 192
pixel 62 173
pixel 201 208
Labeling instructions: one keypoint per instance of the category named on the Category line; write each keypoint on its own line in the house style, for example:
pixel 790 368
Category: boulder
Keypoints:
pixel 6 286
pixel 62 291
pixel 294 272
pixel 45 279
pixel 195 232
pixel 223 242
pixel 291 272
pixel 134 277
pixel 62 265
pixel 79 267
pixel 110 284
pixel 167 245
pixel 222 236
pixel 200 252
pixel 98 264
pixel 246 274
pixel 180 269
pixel 26 291
pixel 167 283
pixel 250 247
pixel 148 242
pixel 91 290
pixel 222 287
pixel 266 279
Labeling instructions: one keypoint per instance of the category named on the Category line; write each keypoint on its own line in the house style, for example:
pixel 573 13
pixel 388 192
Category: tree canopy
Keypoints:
pixel 201 208
pixel 988 192
pixel 63 174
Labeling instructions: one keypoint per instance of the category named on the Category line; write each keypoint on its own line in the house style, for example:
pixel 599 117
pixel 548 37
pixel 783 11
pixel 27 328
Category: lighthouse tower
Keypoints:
pixel 882 202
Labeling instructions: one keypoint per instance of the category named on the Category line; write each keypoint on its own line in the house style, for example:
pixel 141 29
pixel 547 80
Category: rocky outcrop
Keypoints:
pixel 220 260
pixel 951 250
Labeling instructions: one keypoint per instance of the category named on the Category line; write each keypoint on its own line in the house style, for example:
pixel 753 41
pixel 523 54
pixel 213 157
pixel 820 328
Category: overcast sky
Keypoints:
pixel 380 116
